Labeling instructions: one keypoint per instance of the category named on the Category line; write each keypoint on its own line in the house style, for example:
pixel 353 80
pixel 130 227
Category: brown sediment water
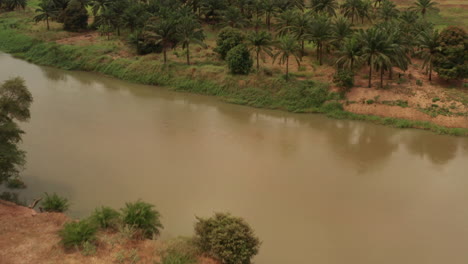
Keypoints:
pixel 316 190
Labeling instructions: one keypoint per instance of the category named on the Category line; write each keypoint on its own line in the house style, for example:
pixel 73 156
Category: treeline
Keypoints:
pixel 281 29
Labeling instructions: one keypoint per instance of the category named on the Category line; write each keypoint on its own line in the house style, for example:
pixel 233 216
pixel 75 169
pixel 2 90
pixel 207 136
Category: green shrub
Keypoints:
pixel 370 101
pixel 105 217
pixel 75 234
pixel 143 217
pixel 89 249
pixel 239 60
pixel 344 79
pixel 228 38
pixel 75 17
pixel 55 203
pixel 419 82
pixel 435 99
pixel 226 238
pixel 332 107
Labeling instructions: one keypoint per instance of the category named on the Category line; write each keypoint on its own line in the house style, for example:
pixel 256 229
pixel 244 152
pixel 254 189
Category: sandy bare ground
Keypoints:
pixel 28 237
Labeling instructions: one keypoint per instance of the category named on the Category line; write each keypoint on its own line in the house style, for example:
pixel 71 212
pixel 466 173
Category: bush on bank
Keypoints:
pixel 226 238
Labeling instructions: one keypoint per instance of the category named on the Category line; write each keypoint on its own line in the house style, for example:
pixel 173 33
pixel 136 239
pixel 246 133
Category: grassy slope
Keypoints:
pixel 22 39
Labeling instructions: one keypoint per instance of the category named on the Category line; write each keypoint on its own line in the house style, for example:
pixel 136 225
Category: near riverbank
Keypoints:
pixel 30 237
pixel 402 104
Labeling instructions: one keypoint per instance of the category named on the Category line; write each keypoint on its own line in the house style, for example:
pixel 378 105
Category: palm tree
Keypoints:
pixel 320 32
pixel 299 28
pixel 287 47
pixel 46 11
pixel 284 21
pixel 233 17
pixel 342 29
pixel 98 6
pixel 375 50
pixel 161 32
pixel 350 9
pixel 350 55
pixel 189 31
pixel 365 10
pixel 423 6
pixel 325 6
pixel 260 42
pixel 428 41
pixel 269 7
pixel 387 10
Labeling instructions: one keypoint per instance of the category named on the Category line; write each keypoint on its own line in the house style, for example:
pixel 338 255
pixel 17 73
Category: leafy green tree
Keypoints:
pixel 299 28
pixel 325 6
pixel 189 30
pixel 75 17
pixel 320 33
pixel 376 50
pixel 135 16
pixel 46 10
pixel 98 6
pixel 284 21
pixel 451 62
pixel 233 17
pixel 226 238
pixel 239 60
pixel 11 5
pixel 287 46
pixel 387 10
pixel 350 9
pixel 423 6
pixel 227 39
pixel 15 101
pixel 428 42
pixel 350 55
pixel 261 43
pixel 342 29
pixel 162 32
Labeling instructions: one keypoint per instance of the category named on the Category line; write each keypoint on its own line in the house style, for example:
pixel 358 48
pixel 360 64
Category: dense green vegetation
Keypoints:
pixel 351 35
pixel 15 101
pixel 55 203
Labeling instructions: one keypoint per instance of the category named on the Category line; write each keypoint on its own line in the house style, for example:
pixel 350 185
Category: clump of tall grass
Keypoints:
pixel 55 203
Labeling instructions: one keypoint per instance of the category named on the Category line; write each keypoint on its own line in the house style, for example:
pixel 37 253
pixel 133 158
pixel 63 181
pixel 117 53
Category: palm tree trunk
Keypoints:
pixel 303 49
pixel 381 77
pixel 318 49
pixel 47 21
pixel 188 54
pixel 370 73
pixel 165 55
pixel 321 54
pixel 118 31
pixel 430 71
pixel 258 65
pixel 287 67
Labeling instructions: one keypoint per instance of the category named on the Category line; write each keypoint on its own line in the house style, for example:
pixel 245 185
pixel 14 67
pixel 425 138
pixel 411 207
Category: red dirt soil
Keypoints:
pixel 28 237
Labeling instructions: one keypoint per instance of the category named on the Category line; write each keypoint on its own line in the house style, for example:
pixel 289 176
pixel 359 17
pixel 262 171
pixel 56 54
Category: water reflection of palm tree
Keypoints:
pixel 439 149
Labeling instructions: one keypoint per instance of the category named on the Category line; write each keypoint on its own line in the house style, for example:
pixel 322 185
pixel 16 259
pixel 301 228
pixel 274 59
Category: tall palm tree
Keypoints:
pixel 46 10
pixel 350 9
pixel 423 6
pixel 284 21
pixel 260 43
pixel 161 32
pixel 350 54
pixel 375 50
pixel 365 10
pixel 342 29
pixel 325 6
pixel 320 33
pixel 287 47
pixel 270 8
pixel 429 43
pixel 234 18
pixel 299 28
pixel 387 10
pixel 189 30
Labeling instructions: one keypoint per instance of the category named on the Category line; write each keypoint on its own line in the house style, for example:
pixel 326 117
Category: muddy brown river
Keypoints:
pixel 316 190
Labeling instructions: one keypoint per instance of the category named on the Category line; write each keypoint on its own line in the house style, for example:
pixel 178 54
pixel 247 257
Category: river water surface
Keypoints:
pixel 316 190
